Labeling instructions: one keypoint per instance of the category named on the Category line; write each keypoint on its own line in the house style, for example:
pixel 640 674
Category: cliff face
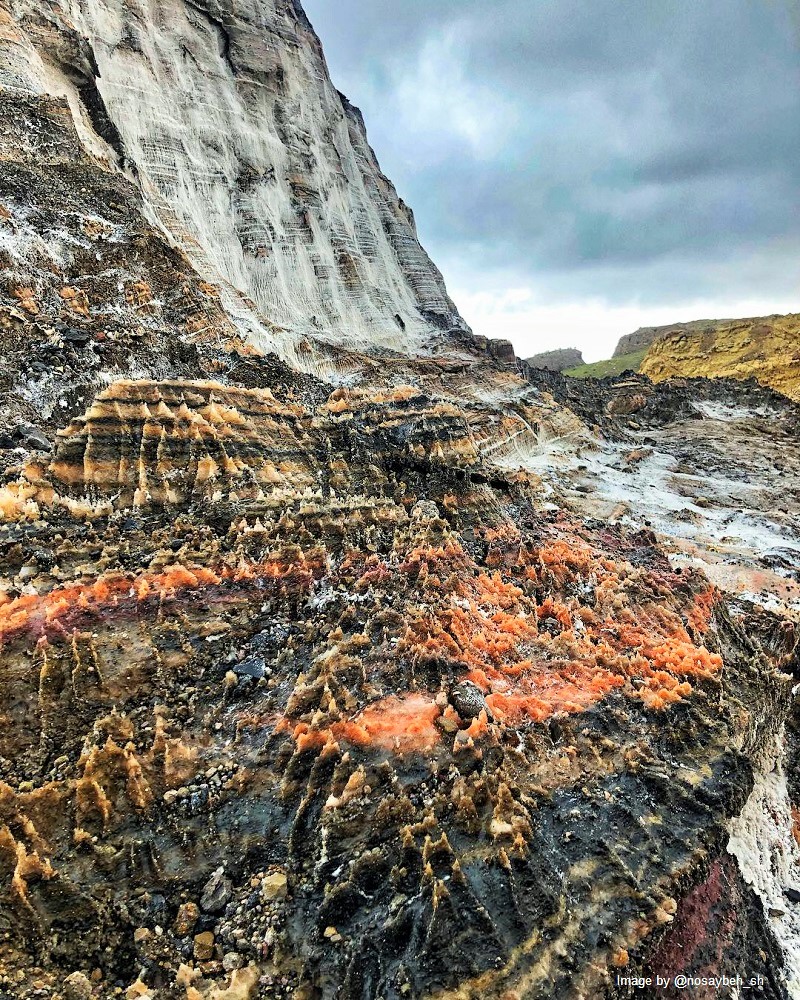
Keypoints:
pixel 336 674
pixel 257 168
pixel 767 349
pixel 647 335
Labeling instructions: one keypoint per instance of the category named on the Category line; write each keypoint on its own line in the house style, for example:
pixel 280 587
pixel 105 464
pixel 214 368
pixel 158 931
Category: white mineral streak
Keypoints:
pixel 725 523
pixel 251 160
pixel 761 841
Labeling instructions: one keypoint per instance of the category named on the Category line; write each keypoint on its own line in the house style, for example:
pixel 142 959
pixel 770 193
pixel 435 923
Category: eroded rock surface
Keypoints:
pixel 766 348
pixel 557 361
pixel 367 666
pixel 259 170
pixel 246 679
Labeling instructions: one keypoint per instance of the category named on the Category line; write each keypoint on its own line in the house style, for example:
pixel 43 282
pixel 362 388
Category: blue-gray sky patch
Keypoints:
pixel 577 167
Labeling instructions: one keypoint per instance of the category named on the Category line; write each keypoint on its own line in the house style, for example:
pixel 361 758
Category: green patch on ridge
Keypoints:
pixel 614 366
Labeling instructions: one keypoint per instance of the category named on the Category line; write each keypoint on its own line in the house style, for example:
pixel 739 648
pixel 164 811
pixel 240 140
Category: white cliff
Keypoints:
pixel 260 171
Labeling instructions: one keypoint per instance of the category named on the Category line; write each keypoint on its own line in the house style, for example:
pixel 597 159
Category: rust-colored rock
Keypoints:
pixel 27 299
pixel 75 300
pixel 352 659
pixel 203 946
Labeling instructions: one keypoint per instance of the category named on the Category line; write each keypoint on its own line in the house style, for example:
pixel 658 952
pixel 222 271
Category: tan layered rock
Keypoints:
pixel 766 348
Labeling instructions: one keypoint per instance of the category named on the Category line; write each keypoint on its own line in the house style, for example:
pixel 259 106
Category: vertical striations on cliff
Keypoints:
pixel 246 154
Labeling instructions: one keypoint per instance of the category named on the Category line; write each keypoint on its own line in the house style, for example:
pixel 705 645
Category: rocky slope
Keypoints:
pixel 243 151
pixel 374 664
pixel 766 348
pixel 645 336
pixel 556 361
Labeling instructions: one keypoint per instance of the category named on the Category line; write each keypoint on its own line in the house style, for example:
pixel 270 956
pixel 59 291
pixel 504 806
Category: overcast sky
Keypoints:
pixel 579 168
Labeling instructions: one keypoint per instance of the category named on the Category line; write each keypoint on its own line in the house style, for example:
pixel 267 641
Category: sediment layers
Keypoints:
pixel 341 657
pixel 767 349
pixel 225 118
pixel 315 693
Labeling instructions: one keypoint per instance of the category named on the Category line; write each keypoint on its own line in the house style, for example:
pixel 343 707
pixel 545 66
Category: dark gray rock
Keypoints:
pixel 467 699
pixel 253 666
pixel 78 338
pixel 217 892
pixel 32 437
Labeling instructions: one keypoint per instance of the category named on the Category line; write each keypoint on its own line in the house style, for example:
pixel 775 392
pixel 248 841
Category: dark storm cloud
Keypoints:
pixel 632 148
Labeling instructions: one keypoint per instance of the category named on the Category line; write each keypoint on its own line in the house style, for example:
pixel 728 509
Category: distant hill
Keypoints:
pixel 557 361
pixel 613 366
pixel 766 348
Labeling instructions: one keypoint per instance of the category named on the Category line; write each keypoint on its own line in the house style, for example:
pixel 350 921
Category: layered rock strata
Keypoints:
pixel 645 336
pixel 767 349
pixel 376 664
pixel 244 152
pixel 435 740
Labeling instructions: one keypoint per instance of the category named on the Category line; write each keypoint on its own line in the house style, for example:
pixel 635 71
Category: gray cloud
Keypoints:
pixel 636 150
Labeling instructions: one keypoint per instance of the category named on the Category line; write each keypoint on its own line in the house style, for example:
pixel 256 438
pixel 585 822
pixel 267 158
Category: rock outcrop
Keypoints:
pixel 338 663
pixel 236 642
pixel 766 348
pixel 556 361
pixel 244 153
pixel 645 336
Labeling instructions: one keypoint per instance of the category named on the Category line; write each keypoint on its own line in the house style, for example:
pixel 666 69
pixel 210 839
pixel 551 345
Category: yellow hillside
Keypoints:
pixel 766 348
